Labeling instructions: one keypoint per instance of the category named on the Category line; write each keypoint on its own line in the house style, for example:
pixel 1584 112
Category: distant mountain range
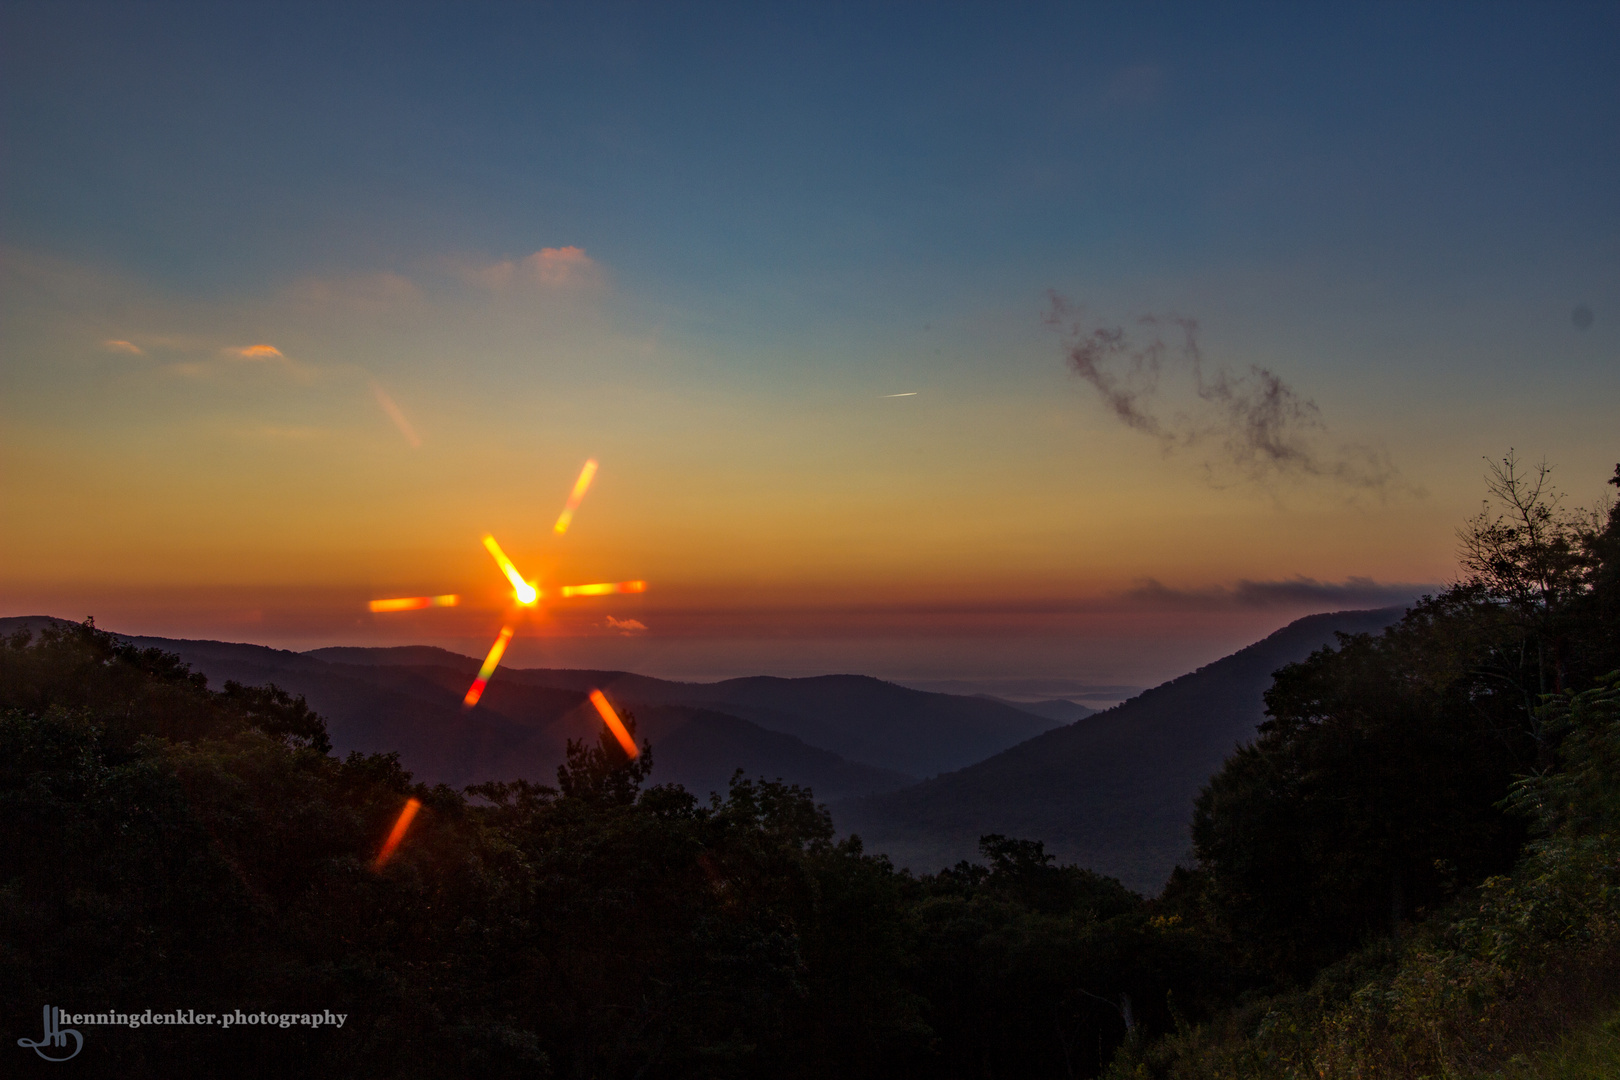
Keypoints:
pixel 866 720
pixel 841 735
pixel 1113 791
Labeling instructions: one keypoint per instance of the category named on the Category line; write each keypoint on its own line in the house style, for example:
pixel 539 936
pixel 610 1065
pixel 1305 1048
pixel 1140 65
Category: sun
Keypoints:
pixel 526 594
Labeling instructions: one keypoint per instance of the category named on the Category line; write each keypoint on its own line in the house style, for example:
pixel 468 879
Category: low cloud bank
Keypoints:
pixel 1354 592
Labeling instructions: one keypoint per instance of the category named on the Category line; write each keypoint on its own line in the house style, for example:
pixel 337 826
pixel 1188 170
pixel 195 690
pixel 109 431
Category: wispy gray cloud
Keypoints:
pixel 1254 426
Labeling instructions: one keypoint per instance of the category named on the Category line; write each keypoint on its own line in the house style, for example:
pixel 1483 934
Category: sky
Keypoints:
pixel 1033 349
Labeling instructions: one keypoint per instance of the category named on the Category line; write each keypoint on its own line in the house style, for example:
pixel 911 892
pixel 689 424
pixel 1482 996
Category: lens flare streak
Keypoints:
pixel 404 822
pixel 604 589
pixel 575 497
pixel 615 725
pixel 526 593
pixel 413 603
pixel 491 662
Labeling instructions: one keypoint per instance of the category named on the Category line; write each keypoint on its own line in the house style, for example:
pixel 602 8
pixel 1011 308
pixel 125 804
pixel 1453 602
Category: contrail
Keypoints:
pixel 395 414
pixel 908 393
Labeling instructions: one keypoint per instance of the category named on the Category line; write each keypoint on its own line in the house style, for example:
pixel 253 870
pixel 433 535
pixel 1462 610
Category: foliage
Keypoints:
pixel 174 847
pixel 1364 742
pixel 1486 982
pixel 1375 789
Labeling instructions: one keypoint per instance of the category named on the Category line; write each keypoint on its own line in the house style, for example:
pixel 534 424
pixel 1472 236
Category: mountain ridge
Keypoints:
pixel 864 719
pixel 1112 792
pixel 521 726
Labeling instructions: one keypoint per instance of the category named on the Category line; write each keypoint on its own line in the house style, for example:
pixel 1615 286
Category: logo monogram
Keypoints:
pixel 55 1037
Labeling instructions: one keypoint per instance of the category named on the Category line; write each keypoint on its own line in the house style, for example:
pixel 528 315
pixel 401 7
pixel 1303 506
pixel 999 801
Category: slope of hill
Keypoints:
pixel 1113 791
pixel 860 718
pixel 1058 710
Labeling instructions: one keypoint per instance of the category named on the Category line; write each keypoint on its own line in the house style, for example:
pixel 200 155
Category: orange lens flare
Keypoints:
pixel 476 690
pixel 412 603
pixel 615 725
pixel 575 497
pixel 526 593
pixel 604 589
pixel 404 822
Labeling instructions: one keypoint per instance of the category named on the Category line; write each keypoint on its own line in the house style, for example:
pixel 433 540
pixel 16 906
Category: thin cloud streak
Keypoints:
pixel 1353 592
pixel 255 352
pixel 1148 598
pixel 395 414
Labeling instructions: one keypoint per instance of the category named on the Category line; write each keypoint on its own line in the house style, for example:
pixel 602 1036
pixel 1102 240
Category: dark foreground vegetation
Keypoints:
pixel 1413 871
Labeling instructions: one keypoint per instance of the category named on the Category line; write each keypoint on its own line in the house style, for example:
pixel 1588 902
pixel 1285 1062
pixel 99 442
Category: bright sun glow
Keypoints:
pixel 527 594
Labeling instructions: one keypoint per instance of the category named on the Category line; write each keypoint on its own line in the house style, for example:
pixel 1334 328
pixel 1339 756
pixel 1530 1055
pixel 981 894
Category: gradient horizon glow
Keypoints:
pixel 1046 351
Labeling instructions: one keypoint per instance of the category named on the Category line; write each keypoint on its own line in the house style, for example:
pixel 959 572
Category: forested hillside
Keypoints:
pixel 1113 791
pixel 1420 854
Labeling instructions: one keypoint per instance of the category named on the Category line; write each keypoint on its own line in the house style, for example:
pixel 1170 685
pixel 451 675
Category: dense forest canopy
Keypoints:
pixel 1446 789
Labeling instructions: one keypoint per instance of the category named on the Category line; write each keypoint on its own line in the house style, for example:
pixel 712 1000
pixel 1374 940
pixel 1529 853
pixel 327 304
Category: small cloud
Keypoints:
pixel 908 393
pixel 558 266
pixel 1353 592
pixel 627 627
pixel 395 414
pixel 117 345
pixel 548 267
pixel 269 354
pixel 255 352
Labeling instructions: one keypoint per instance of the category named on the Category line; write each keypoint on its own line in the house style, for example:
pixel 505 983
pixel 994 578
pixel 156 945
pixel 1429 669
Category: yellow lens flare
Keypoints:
pixel 491 662
pixel 615 725
pixel 575 497
pixel 605 589
pixel 404 822
pixel 526 594
pixel 414 603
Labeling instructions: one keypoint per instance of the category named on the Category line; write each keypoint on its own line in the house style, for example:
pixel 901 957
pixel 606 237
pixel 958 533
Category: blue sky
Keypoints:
pixel 226 146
